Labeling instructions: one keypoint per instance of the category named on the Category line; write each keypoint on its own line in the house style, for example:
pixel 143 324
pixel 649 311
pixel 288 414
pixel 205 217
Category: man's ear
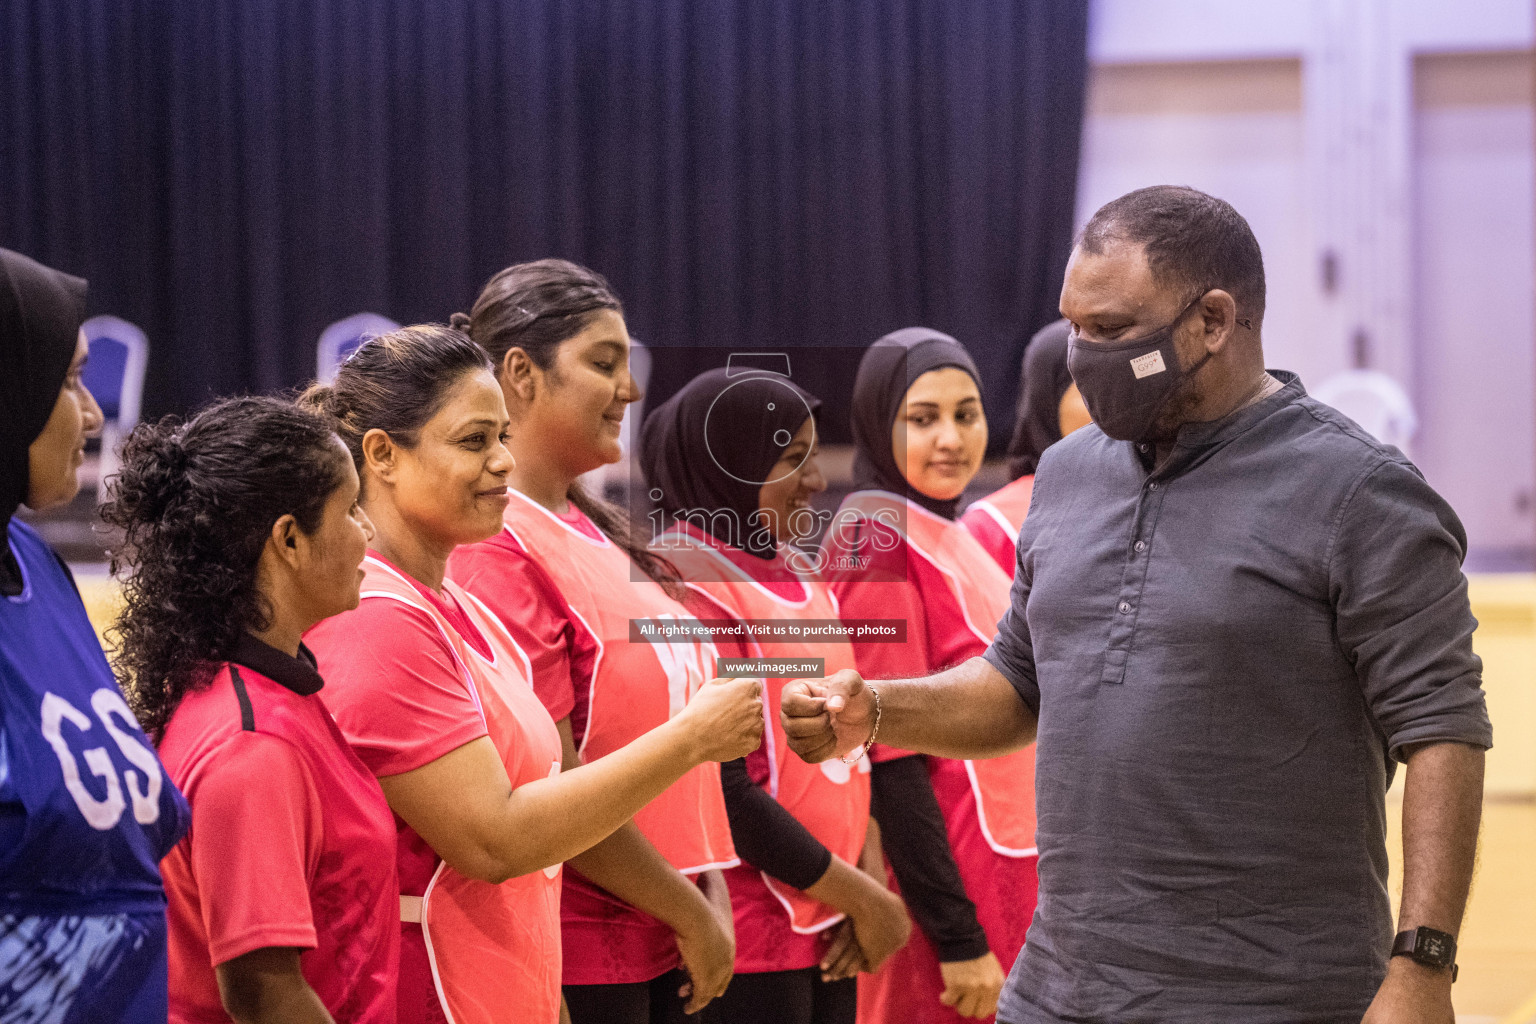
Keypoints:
pixel 519 374
pixel 1218 313
pixel 380 455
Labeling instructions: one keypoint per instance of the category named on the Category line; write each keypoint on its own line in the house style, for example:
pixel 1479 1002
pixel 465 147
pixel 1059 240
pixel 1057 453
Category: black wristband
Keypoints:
pixel 1428 947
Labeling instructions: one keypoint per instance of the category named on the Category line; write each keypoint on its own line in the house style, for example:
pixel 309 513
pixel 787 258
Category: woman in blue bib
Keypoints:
pixel 86 811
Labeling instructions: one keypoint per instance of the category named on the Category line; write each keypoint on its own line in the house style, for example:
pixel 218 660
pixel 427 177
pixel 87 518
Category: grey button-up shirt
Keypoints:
pixel 1226 655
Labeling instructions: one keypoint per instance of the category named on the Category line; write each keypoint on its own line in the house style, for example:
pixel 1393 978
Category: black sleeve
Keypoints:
pixel 766 835
pixel 917 845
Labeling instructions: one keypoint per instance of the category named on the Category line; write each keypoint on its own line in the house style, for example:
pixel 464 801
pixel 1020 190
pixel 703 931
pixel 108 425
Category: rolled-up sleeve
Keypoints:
pixel 1402 613
pixel 1011 651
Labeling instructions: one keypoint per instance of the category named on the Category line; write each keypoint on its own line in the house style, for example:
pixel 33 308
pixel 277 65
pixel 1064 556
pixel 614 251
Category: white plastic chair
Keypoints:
pixel 114 375
pixel 1375 401
pixel 343 337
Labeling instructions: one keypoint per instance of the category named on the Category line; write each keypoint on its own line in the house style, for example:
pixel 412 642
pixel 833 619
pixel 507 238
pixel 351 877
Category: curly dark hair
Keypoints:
pixel 196 501
pixel 537 307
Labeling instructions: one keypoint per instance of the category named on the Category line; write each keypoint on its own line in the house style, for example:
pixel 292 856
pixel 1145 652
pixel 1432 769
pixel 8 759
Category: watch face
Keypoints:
pixel 1433 947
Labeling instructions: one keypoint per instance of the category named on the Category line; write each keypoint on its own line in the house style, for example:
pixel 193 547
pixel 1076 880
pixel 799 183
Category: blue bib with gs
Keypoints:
pixel 86 814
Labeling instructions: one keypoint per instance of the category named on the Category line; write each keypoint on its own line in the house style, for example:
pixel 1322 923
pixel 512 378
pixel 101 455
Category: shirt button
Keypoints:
pixel 1152 486
pixel 1141 545
pixel 1144 448
pixel 1125 606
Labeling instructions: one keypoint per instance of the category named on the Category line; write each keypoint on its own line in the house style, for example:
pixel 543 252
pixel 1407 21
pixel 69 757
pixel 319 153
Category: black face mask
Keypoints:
pixel 1126 384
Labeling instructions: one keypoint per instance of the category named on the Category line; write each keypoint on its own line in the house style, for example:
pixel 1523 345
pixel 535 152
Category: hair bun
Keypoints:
pixel 152 473
pixel 460 322
pixel 160 448
pixel 174 455
pixel 317 399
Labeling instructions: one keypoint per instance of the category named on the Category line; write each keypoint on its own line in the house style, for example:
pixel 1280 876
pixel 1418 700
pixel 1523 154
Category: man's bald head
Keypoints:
pixel 1193 242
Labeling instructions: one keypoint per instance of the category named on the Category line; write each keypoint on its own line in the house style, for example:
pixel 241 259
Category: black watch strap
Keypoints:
pixel 1428 946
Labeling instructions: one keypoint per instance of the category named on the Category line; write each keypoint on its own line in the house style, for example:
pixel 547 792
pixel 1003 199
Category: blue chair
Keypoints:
pixel 343 337
pixel 114 375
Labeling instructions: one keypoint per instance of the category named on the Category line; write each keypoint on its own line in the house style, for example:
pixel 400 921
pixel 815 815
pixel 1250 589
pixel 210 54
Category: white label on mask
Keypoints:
pixel 1147 365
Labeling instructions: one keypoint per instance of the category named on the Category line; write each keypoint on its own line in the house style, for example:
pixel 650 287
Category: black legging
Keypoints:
pixel 784 997
pixel 643 1002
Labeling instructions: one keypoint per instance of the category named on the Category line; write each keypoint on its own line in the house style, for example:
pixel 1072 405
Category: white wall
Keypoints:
pixel 1475 274
pixel 1179 30
pixel 1412 121
pixel 1230 128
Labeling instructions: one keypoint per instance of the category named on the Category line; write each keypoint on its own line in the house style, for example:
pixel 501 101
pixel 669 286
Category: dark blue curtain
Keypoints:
pixel 235 174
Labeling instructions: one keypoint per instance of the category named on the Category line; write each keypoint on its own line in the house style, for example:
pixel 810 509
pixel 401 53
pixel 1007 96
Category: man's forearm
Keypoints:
pixel 1442 809
pixel 969 711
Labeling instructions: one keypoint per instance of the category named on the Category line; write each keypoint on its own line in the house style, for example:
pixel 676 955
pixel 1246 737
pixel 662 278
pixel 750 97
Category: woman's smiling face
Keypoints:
pixel 580 407
pixel 940 433
pixel 452 486
pixel 791 483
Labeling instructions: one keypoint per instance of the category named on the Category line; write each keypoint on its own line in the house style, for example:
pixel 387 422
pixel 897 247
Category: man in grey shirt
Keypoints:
pixel 1233 613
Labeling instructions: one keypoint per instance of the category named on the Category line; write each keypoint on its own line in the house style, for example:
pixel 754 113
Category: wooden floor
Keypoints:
pixel 1497 984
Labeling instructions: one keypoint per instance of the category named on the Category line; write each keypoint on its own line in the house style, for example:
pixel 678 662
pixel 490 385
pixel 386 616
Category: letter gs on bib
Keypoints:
pixel 103 813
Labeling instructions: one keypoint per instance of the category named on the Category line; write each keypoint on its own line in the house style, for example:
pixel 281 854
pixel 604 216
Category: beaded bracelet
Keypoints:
pixel 872 733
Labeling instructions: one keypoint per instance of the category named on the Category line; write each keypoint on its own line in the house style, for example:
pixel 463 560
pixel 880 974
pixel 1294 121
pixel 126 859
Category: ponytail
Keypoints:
pixel 615 525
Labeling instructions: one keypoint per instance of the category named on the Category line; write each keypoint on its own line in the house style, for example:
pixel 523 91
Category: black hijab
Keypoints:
pixel 713 444
pixel 1044 380
pixel 888 369
pixel 40 315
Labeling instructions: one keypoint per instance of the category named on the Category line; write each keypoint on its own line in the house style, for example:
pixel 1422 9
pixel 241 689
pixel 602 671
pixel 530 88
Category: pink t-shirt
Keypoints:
pixel 606 941
pixel 764 939
pixel 402 702
pixel 893 582
pixel 990 534
pixel 289 847
pixel 996 519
